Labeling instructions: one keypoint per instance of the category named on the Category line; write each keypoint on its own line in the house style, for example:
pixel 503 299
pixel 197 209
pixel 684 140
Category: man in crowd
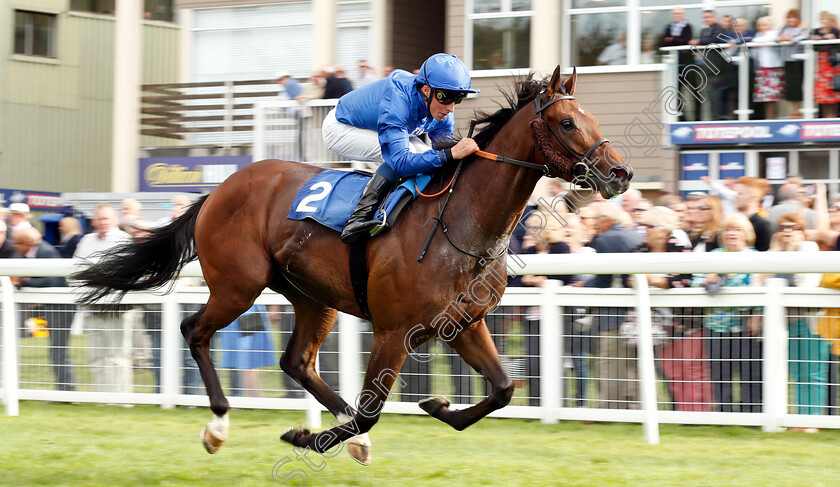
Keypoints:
pixel 789 202
pixel 30 244
pixel 749 191
pixel 614 365
pixel 110 346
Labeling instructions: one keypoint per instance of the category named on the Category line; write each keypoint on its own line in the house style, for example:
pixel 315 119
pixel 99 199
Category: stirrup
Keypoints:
pixel 381 225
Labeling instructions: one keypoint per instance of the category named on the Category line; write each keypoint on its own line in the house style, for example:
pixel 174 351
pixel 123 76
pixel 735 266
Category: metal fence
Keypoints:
pixel 574 353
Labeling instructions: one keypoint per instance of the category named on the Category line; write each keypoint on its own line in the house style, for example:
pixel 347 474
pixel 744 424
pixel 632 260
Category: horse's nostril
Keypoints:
pixel 619 173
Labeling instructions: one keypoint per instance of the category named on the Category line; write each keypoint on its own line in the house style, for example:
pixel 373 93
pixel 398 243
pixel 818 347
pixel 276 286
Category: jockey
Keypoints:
pixel 382 122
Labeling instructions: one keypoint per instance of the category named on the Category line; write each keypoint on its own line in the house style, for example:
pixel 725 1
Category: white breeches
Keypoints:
pixel 359 144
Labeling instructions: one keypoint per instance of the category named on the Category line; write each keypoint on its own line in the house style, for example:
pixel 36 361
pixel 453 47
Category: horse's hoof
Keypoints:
pixel 432 404
pixel 293 435
pixel 359 448
pixel 210 442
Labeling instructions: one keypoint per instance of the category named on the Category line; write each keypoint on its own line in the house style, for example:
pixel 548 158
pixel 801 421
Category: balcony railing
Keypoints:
pixel 740 60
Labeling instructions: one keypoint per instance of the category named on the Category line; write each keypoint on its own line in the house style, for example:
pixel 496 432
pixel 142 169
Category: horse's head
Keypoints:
pixel 564 130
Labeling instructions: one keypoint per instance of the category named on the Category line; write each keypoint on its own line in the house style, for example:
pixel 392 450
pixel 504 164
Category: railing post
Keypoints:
pixel 550 352
pixel 258 150
pixel 10 350
pixel 229 102
pixel 349 357
pixel 647 371
pixel 171 364
pixel 744 94
pixel 775 360
pixel 809 110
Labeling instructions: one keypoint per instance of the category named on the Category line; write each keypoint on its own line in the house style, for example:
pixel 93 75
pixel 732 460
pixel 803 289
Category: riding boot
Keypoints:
pixel 361 222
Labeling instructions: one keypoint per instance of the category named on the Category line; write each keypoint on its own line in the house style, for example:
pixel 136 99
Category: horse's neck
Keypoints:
pixel 496 193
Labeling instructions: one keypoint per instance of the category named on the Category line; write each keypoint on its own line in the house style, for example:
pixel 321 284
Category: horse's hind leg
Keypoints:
pixel 475 345
pixel 197 330
pixel 313 322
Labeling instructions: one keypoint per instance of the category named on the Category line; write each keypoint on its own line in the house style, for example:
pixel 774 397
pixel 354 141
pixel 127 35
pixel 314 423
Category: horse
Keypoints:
pixel 244 244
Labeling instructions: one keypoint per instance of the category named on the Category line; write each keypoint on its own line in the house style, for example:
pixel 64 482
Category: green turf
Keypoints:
pixel 102 445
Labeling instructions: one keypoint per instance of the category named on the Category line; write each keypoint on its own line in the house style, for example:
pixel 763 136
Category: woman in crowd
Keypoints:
pixel 824 93
pixel 71 232
pixel 807 352
pixel 769 78
pixel 684 364
pixel 794 31
pixel 705 216
pixel 733 334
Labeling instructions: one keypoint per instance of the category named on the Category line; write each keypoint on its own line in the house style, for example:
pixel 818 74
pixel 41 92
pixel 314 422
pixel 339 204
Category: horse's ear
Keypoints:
pixel 556 80
pixel 570 82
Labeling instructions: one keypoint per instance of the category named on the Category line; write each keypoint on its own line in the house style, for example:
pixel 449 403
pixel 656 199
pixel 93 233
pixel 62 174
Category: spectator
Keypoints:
pixel 290 88
pixel 677 205
pixel 615 364
pixel 553 243
pixel 789 202
pixel 7 247
pixel 387 71
pixel 734 339
pixel 678 33
pixel 824 93
pixel 337 85
pixel 19 216
pixel 750 191
pixel 728 89
pixel 179 206
pixel 246 347
pixel 639 213
pixel 794 31
pixel 725 190
pixel 131 210
pixel 629 199
pixel 706 217
pixel 366 74
pixel 807 353
pixel 589 219
pixel 109 345
pixel 711 34
pixel 615 53
pixel 71 232
pixel 683 362
pixel 314 89
pixel 30 243
pixel 769 78
pixel 834 213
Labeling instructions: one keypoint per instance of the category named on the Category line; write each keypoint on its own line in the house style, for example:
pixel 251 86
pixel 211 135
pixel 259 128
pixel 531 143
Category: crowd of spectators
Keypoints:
pixel 776 72
pixel 710 358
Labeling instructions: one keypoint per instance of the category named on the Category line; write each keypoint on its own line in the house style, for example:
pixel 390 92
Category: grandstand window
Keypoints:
pixel 628 32
pixel 34 33
pixel 152 9
pixel 500 34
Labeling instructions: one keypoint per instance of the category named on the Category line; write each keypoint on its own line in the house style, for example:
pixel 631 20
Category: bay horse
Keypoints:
pixel 245 243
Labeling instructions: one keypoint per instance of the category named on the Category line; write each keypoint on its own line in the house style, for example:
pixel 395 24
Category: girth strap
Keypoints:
pixel 359 274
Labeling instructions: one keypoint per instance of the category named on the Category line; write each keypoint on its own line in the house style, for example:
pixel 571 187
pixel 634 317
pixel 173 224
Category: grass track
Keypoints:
pixel 102 445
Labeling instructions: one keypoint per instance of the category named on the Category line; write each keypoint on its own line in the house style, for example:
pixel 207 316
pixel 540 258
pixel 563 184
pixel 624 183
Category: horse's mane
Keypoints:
pixel 525 89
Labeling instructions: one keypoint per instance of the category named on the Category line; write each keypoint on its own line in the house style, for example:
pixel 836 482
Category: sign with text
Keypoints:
pixel 37 200
pixel 188 174
pixel 766 132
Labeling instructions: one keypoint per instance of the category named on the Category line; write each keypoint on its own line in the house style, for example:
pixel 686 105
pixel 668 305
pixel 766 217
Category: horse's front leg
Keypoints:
pixel 386 359
pixel 475 345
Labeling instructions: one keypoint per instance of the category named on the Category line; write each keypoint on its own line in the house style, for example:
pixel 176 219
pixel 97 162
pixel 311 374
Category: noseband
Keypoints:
pixel 581 167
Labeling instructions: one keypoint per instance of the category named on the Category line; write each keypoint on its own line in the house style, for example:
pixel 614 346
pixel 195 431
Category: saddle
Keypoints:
pixel 330 197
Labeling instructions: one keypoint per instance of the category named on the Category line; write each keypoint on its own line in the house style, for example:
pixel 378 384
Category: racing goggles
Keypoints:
pixel 445 97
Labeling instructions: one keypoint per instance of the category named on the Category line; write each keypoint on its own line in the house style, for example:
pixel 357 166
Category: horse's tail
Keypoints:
pixel 148 263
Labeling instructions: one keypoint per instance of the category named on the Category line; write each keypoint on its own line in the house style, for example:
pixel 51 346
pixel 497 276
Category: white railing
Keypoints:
pixel 291 131
pixel 808 109
pixel 554 304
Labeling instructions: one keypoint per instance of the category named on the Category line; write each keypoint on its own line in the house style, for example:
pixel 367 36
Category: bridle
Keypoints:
pixel 580 168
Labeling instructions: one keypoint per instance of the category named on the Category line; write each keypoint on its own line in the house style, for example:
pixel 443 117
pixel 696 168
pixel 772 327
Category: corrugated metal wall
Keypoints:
pixel 57 112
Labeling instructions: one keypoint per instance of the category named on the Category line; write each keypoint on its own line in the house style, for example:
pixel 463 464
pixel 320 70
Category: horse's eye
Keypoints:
pixel 567 124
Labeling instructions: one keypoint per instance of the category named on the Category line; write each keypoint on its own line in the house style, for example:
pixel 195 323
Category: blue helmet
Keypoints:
pixel 445 72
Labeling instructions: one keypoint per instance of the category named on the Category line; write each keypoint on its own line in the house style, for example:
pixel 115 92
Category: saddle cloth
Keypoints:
pixel 330 197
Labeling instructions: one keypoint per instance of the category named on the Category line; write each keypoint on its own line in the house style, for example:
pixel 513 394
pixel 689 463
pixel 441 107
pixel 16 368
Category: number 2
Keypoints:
pixel 303 206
